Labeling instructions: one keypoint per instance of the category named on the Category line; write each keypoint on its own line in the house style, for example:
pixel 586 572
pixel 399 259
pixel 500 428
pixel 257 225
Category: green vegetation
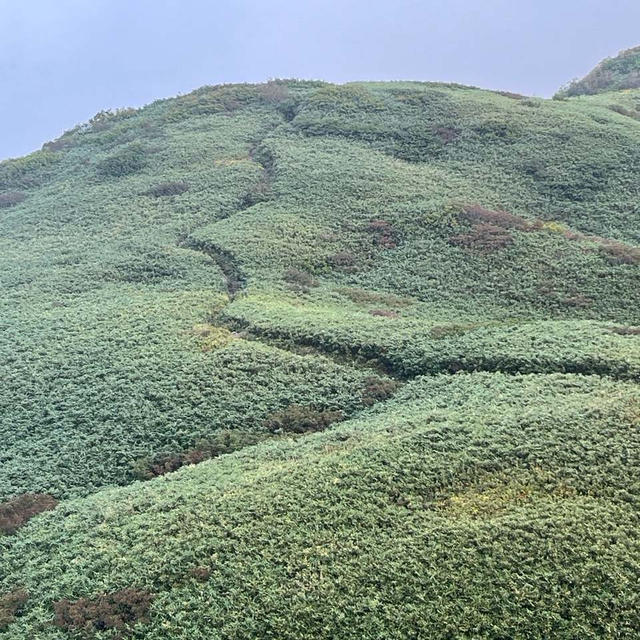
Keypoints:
pixel 297 360
pixel 612 74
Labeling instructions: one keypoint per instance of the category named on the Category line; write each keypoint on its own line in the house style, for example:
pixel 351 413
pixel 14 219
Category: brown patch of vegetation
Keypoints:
pixel 577 300
pixel 10 606
pixel 483 238
pixel 201 574
pixel 168 189
pixel 625 112
pixel 299 279
pixel 626 331
pixel 619 252
pixel 343 259
pixel 16 512
pixel 11 198
pixel 477 214
pixel 384 313
pixel 362 296
pixel 447 134
pixel 225 441
pixel 614 251
pixel 378 389
pixel 117 610
pixel 273 92
pixel 302 419
pixel 384 235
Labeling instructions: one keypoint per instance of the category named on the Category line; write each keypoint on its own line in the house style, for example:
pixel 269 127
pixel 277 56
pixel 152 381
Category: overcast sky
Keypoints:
pixel 61 61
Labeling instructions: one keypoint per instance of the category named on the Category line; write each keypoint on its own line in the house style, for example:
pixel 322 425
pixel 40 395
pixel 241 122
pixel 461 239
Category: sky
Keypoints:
pixel 62 61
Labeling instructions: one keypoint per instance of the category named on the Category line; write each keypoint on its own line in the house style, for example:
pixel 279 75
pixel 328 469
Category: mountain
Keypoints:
pixel 612 74
pixel 301 360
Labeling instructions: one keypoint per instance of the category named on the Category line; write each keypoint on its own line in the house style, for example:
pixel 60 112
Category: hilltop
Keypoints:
pixel 612 74
pixel 301 360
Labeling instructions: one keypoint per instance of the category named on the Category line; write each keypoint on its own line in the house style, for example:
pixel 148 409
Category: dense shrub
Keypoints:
pixel 168 189
pixel 11 198
pixel 378 389
pixel 483 238
pixel 259 192
pixel 124 162
pixel 225 441
pixel 362 296
pixel 10 606
pixel 619 252
pixel 300 279
pixel 626 331
pixel 16 512
pixel 503 219
pixel 302 419
pixel 384 234
pixel 342 259
pixel 201 574
pixel 445 331
pixel 384 313
pixel 117 610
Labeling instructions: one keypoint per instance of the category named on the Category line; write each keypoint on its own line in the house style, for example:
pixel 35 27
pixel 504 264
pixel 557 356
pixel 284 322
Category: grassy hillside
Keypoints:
pixel 298 360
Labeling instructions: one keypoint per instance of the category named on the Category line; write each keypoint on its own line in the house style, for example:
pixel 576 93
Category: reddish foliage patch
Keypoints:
pixel 302 419
pixel 10 605
pixel 116 610
pixel 14 513
pixel 299 279
pixel 504 219
pixel 224 441
pixel 447 134
pixel 619 252
pixel 378 389
pixel 483 238
pixel 342 259
pixel 626 331
pixel 384 313
pixel 384 234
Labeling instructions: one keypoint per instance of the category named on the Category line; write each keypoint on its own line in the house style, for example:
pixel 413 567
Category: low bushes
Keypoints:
pixel 378 389
pixel 302 419
pixel 384 234
pixel 11 198
pixel 626 331
pixel 168 189
pixel 16 512
pixel 483 238
pixel 299 280
pixel 503 219
pixel 225 441
pixel 343 260
pixel 10 605
pixel 117 610
pixel 384 313
pixel 129 160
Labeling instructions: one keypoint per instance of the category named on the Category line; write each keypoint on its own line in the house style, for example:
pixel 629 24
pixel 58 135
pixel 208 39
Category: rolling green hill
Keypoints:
pixel 299 360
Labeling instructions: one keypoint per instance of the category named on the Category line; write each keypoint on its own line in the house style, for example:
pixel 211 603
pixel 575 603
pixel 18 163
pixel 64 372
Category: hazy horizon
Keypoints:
pixel 64 63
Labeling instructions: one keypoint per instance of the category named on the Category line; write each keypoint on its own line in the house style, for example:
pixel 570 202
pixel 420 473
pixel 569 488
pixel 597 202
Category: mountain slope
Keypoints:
pixel 612 74
pixel 449 273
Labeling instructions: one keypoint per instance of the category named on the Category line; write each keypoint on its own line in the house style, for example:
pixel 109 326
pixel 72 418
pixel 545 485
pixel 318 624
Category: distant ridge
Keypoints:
pixel 612 74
